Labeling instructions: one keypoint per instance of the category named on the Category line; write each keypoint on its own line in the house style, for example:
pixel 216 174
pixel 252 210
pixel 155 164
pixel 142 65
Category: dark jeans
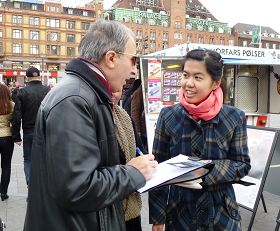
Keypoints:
pixel 27 146
pixel 6 151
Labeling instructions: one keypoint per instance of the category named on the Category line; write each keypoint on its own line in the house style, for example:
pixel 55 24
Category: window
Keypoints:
pixel 211 29
pixel 211 40
pixel 273 46
pixel 146 2
pixel 1 34
pixel 34 35
pixel 189 26
pixel 34 7
pixel 267 45
pixel 70 38
pixel 1 18
pixel 177 25
pixel 165 36
pixel 200 40
pixel 17 34
pixel 85 13
pixel 17 48
pixel 152 35
pixel 230 42
pixel 70 11
pixel 222 41
pixel 151 22
pixel 85 25
pixel 70 51
pixel 200 27
pixel 70 24
pixel 53 50
pixel 164 23
pixel 52 8
pixel 1 47
pixel 125 19
pixel 221 30
pixel 152 45
pixel 244 43
pixel 178 36
pixel 53 23
pixel 53 36
pixel 17 5
pixel 139 34
pixel 17 19
pixel 34 21
pixel 139 45
pixel 138 21
pixel 189 39
pixel 34 49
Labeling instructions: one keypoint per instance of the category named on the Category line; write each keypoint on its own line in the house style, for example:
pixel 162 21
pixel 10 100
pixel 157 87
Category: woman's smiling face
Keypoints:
pixel 196 82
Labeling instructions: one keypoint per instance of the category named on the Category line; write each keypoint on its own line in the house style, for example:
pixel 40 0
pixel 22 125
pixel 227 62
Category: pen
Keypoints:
pixel 138 151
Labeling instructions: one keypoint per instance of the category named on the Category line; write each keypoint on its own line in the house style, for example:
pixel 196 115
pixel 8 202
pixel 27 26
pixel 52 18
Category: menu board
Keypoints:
pixel 162 86
pixel 171 86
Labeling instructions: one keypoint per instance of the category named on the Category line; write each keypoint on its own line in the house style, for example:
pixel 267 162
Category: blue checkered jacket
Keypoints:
pixel 222 139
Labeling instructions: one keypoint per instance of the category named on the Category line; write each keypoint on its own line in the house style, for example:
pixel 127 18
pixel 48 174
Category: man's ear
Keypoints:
pixel 110 59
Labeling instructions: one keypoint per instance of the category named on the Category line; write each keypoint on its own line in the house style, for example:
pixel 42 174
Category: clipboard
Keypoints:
pixel 172 171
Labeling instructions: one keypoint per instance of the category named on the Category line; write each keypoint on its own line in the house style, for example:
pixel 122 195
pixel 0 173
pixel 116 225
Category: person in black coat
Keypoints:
pixel 27 103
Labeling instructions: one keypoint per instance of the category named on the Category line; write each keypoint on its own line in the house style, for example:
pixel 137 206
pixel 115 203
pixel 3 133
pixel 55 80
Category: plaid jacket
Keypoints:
pixel 222 139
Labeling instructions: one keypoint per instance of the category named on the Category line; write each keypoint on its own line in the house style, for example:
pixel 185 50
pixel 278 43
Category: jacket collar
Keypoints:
pixel 83 71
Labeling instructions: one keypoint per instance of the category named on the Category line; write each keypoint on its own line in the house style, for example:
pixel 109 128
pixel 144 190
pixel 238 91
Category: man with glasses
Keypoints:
pixel 77 182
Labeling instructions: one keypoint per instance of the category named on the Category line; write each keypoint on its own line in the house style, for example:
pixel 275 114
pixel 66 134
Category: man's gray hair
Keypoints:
pixel 103 36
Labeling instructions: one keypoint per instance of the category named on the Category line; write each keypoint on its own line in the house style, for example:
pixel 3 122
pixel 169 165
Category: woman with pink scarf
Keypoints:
pixel 201 125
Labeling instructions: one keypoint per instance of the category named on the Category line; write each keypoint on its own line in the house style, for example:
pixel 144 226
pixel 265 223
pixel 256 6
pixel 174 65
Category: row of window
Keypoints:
pixel 139 35
pixel 140 46
pixel 50 22
pixel 210 28
pixel 266 45
pixel 18 5
pixel 35 49
pixel 35 35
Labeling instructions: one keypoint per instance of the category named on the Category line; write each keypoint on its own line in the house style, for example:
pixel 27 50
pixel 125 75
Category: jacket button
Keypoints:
pixel 233 212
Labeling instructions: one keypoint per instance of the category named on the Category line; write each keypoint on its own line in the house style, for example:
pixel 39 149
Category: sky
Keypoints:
pixel 257 12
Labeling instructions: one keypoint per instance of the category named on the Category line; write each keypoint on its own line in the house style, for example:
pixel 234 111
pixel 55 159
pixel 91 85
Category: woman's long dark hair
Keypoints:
pixel 5 100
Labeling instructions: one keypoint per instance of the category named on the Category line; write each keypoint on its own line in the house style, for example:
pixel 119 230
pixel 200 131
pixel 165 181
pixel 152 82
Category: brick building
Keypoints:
pixel 159 24
pixel 43 35
pixel 269 38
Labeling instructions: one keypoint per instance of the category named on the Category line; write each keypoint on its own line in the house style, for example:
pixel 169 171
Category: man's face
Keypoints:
pixel 123 65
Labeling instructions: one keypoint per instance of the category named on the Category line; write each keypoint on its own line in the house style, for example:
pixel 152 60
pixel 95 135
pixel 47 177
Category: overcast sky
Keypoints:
pixel 258 12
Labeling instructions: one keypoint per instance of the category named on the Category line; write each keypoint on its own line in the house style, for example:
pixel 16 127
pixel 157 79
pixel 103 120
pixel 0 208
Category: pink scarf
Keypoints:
pixel 207 109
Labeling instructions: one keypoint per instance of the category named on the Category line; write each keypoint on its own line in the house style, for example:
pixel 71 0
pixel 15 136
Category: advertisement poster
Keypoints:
pixel 154 86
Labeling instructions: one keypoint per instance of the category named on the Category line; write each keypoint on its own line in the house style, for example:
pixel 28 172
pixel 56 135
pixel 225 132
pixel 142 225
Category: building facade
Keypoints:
pixel 159 24
pixel 43 35
pixel 248 35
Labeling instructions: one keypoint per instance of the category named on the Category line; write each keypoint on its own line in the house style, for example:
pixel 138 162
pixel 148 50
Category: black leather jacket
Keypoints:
pixel 27 103
pixel 76 181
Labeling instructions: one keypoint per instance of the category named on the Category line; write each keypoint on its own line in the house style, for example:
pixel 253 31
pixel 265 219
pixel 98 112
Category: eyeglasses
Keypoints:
pixel 134 57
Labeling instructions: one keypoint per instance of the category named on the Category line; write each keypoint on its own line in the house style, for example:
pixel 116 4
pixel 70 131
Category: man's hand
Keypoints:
pixel 18 143
pixel 146 164
pixel 158 227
